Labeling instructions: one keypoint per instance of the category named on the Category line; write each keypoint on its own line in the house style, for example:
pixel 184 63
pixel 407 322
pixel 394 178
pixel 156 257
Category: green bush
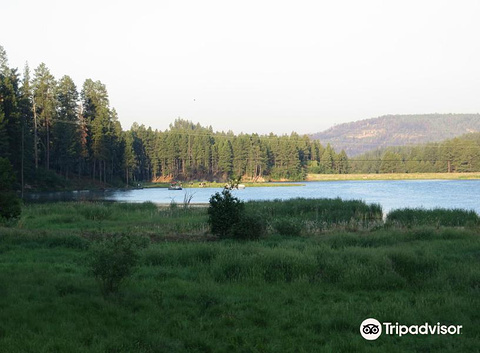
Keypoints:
pixel 224 212
pixel 10 206
pixel 112 261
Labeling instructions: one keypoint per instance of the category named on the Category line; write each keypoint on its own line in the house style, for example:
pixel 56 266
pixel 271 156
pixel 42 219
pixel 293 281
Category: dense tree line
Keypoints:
pixel 48 126
pixel 190 151
pixel 461 154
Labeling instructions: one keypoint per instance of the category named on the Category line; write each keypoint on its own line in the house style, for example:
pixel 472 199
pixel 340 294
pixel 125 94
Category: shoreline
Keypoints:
pixel 309 178
pixel 394 176
pixel 214 185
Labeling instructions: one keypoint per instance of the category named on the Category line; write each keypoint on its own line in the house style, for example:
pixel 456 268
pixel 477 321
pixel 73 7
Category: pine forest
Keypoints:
pixel 50 128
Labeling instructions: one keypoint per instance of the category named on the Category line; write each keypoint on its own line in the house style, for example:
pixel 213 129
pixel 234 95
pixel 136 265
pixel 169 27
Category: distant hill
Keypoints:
pixel 397 130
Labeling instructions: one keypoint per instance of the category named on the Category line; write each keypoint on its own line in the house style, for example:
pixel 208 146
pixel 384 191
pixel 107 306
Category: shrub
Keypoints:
pixel 112 261
pixel 10 206
pixel 224 211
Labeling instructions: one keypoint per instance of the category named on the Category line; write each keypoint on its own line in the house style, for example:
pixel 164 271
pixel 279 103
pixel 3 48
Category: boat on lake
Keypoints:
pixel 175 186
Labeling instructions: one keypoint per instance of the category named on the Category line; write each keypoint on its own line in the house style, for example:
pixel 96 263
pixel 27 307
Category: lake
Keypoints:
pixel 391 194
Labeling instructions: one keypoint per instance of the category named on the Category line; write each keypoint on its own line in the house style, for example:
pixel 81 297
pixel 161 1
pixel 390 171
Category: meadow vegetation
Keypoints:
pixel 304 286
pixel 414 217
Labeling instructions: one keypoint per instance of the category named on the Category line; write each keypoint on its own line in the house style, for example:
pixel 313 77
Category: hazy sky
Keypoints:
pixel 257 66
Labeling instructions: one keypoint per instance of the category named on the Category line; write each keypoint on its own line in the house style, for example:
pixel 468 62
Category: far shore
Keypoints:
pixel 194 185
pixel 274 183
pixel 393 176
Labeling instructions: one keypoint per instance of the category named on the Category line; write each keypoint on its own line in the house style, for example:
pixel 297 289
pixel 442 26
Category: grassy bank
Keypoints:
pixel 393 176
pixel 88 219
pixel 194 293
pixel 178 220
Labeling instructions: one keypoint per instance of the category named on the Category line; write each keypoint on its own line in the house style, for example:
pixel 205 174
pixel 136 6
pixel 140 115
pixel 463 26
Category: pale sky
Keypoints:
pixel 256 66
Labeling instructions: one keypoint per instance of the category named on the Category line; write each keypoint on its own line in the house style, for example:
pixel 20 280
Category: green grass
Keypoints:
pixel 155 185
pixel 279 294
pixel 409 217
pixel 318 215
pixel 83 218
pixel 86 218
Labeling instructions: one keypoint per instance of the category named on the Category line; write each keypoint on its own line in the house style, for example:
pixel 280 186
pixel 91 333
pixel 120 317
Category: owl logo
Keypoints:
pixel 370 329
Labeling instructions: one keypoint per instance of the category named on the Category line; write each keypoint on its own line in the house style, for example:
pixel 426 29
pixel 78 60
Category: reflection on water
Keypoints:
pixel 83 195
pixel 390 194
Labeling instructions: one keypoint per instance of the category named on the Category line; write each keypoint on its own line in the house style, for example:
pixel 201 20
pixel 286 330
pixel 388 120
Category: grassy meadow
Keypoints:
pixel 194 293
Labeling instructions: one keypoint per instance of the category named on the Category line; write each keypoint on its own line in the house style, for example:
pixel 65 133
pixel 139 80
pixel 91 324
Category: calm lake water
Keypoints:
pixel 390 194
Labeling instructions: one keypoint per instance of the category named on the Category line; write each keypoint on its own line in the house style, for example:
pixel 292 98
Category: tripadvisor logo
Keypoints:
pixel 371 329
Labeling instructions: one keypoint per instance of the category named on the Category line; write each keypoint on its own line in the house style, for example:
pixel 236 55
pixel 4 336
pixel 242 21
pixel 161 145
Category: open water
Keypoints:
pixel 392 194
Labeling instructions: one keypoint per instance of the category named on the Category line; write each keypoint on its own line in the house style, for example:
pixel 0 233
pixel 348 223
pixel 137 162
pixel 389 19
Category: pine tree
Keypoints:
pixel 129 161
pixel 45 103
pixel 225 158
pixel 4 72
pixel 26 121
pixel 342 163
pixel 65 132
pixel 328 159
pixel 10 117
pixel 391 163
pixel 104 136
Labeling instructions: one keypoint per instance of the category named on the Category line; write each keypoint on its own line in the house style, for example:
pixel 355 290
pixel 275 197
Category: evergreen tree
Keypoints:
pixel 4 72
pixel 66 134
pixel 342 163
pixel 45 104
pixel 26 121
pixel 130 161
pixel 104 137
pixel 328 159
pixel 225 158
pixel 10 123
pixel 391 163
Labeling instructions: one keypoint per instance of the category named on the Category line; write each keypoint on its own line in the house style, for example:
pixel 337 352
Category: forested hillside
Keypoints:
pixel 49 128
pixel 461 154
pixel 397 130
